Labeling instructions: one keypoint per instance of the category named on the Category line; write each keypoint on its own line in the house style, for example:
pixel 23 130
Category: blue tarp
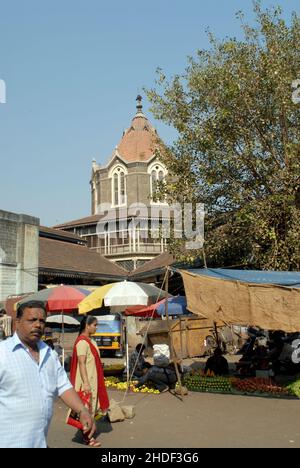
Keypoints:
pixel 280 278
pixel 176 306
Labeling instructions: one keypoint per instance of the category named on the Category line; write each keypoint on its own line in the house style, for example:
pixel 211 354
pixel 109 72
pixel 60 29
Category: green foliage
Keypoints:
pixel 238 148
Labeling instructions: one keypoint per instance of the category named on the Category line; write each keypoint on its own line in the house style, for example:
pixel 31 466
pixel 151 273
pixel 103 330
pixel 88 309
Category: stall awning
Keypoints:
pixel 270 300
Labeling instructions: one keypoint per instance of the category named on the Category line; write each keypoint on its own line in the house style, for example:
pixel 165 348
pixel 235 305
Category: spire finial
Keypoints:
pixel 139 106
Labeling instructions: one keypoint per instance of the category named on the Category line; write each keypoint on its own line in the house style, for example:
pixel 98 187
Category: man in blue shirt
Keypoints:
pixel 31 378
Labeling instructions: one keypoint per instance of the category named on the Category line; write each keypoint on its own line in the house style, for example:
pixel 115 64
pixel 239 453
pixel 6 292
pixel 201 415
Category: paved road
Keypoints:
pixel 200 420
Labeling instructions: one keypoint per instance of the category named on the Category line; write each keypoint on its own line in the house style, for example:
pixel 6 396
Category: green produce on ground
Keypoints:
pixel 208 384
pixel 294 387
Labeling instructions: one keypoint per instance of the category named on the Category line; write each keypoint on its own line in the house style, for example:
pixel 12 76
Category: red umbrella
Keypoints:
pixel 144 311
pixel 59 298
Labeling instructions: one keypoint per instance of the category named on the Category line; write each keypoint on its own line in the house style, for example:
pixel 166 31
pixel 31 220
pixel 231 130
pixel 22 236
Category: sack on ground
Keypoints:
pixel 128 411
pixel 161 355
pixel 115 413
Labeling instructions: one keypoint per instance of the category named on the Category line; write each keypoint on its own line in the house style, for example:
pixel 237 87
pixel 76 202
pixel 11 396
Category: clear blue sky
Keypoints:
pixel 72 69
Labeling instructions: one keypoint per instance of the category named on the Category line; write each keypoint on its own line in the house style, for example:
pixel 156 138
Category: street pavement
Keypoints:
pixel 199 420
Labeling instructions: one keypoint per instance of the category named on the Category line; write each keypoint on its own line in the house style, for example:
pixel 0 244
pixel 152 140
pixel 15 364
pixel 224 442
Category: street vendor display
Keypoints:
pixel 267 387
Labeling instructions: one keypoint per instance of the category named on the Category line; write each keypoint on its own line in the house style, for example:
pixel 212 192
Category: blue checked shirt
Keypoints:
pixel 27 393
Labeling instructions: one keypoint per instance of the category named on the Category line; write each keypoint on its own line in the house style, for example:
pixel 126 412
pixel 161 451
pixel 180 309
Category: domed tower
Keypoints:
pixel 129 179
pixel 133 169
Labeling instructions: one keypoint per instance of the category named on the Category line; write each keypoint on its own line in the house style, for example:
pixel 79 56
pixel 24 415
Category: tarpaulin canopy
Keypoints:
pixel 280 278
pixel 176 306
pixel 270 300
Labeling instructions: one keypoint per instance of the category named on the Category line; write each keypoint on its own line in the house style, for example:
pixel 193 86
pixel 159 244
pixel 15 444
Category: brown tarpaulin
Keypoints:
pixel 267 306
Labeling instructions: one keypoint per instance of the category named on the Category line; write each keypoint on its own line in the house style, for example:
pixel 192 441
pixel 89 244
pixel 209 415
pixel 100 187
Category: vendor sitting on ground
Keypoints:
pixel 137 364
pixel 161 377
pixel 217 363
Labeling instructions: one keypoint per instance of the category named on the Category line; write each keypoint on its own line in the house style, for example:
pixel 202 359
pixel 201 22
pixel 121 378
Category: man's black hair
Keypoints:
pixel 30 305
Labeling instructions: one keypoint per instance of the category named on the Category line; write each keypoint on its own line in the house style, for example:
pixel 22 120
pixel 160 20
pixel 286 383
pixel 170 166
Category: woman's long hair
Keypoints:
pixel 87 320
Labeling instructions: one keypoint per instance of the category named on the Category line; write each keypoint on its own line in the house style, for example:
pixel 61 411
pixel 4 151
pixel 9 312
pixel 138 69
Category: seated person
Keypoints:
pixel 137 364
pixel 217 363
pixel 260 359
pixel 245 364
pixel 161 377
pixel 275 345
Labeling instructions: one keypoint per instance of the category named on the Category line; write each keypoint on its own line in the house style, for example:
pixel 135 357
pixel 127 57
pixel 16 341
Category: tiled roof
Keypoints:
pixel 113 214
pixel 80 222
pixel 55 233
pixel 154 266
pixel 140 141
pixel 63 256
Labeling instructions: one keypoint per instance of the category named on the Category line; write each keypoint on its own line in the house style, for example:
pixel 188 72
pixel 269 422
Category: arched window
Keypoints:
pixel 118 188
pixel 157 176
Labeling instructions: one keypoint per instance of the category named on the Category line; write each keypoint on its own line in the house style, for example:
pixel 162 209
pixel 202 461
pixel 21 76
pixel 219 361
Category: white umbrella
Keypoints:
pixel 66 319
pixel 129 293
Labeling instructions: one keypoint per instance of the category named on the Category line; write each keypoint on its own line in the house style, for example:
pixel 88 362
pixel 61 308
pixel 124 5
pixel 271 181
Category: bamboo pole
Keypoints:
pixel 174 356
pixel 217 336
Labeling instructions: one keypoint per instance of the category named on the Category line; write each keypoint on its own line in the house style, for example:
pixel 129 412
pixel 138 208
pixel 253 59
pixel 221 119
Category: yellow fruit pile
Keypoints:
pixel 144 389
pixel 113 382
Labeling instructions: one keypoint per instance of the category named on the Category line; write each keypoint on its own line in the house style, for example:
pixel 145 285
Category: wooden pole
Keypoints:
pixel 174 356
pixel 217 336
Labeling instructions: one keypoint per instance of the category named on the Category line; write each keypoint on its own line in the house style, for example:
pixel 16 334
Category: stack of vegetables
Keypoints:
pixel 260 386
pixel 198 382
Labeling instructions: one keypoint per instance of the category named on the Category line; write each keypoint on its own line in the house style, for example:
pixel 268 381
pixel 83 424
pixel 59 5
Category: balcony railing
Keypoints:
pixel 120 249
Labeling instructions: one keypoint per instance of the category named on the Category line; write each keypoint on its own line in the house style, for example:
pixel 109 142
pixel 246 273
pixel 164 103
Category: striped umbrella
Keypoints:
pixel 121 294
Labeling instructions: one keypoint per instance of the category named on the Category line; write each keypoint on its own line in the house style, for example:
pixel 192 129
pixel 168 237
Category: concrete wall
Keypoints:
pixel 19 240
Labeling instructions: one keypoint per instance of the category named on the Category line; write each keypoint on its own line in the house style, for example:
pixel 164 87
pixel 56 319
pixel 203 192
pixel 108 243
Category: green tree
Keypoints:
pixel 238 145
